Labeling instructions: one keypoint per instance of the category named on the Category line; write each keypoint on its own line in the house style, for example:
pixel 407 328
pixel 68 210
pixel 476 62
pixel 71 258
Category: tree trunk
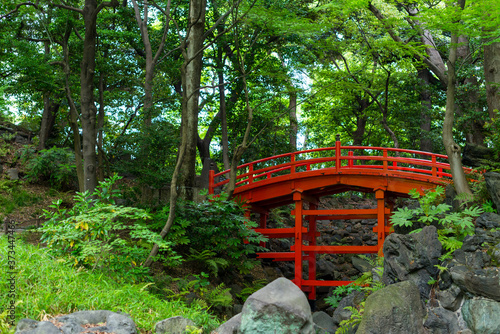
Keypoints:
pixel 73 112
pixel 453 149
pixel 426 110
pixel 100 125
pixel 88 108
pixel 50 109
pixel 292 107
pixel 492 77
pixel 191 77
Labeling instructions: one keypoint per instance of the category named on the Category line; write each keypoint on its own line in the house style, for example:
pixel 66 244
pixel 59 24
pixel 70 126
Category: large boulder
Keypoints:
pixel 412 257
pixel 279 307
pixel 481 315
pixel 482 282
pixel 394 309
pixel 493 186
pixel 229 327
pixel 80 322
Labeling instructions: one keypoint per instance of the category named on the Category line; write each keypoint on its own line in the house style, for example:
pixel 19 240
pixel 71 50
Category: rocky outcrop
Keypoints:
pixel 413 258
pixel 394 309
pixel 80 322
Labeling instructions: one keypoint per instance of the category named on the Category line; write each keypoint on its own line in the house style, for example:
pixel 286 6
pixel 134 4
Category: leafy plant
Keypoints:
pixel 200 286
pixel 98 234
pixel 208 259
pixel 218 224
pixel 251 288
pixel 455 225
pixel 339 292
pixel 55 166
pixel 356 314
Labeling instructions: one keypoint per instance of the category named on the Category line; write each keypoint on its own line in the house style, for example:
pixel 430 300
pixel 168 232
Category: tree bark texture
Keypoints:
pixel 452 148
pixel 426 110
pixel 191 77
pixel 492 77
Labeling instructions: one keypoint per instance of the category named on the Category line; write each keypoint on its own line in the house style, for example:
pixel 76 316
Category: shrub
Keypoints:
pixel 98 234
pixel 455 226
pixel 218 225
pixel 55 166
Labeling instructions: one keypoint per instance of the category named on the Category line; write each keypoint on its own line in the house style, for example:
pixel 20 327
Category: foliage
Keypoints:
pixel 345 326
pixel 219 225
pixel 208 259
pixel 454 226
pixel 98 234
pixel 45 287
pixel 251 288
pixel 339 292
pixel 13 196
pixel 5 326
pixel 55 166
pixel 206 294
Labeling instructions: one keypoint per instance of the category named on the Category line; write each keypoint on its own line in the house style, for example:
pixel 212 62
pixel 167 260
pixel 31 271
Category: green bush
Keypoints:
pixel 45 286
pixel 455 226
pixel 98 234
pixel 55 166
pixel 218 225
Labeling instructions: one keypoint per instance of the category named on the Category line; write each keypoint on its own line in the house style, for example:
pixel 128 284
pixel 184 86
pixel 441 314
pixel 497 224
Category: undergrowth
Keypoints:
pixel 46 287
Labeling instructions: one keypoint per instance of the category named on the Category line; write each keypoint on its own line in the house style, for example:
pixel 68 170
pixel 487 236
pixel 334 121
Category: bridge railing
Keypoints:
pixel 381 160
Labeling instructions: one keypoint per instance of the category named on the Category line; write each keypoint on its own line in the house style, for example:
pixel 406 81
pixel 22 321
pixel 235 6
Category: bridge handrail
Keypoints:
pixel 255 175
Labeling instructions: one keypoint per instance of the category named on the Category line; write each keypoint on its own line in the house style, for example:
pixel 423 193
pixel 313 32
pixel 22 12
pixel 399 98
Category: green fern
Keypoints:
pixel 355 319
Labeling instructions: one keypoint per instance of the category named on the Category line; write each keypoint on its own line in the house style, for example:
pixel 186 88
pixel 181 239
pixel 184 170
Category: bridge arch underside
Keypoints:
pixel 264 195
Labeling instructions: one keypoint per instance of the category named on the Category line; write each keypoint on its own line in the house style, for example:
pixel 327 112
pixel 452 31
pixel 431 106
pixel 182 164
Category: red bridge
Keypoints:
pixel 305 176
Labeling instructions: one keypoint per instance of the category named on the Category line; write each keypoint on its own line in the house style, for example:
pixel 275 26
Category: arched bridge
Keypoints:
pixel 305 176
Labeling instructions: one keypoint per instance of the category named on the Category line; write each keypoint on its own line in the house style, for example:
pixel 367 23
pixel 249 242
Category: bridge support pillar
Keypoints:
pixel 311 256
pixel 299 203
pixel 263 224
pixel 381 225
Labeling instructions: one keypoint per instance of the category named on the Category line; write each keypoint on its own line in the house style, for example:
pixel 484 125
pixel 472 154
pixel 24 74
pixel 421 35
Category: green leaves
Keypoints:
pixel 98 234
pixel 454 226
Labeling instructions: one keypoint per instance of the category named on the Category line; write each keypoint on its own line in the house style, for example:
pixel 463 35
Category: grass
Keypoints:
pixel 47 287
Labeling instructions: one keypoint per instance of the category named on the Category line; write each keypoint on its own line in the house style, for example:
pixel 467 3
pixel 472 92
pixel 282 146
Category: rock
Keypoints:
pixel 488 220
pixel 481 315
pixel 495 254
pixel 412 257
pixel 72 323
pixel 482 282
pixel 361 264
pixel 41 327
pixel 279 307
pixel 325 269
pixel 493 186
pixel 229 327
pixel 441 321
pixel 351 300
pixel 477 155
pixel 394 309
pixel 450 298
pixel 324 322
pixel 174 325
pixel 475 260
pixel 13 173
